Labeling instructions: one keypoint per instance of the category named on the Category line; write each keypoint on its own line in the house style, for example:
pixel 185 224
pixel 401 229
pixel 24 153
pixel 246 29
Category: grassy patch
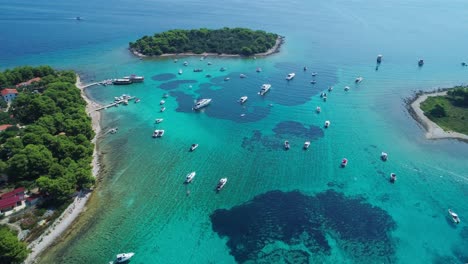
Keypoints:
pixel 454 118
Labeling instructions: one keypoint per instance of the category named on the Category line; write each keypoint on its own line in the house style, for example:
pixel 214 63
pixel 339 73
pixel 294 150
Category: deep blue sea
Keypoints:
pixel 278 206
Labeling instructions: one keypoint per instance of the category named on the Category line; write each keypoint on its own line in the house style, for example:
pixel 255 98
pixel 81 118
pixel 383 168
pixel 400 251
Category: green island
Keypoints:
pixel 230 41
pixel 450 111
pixel 45 152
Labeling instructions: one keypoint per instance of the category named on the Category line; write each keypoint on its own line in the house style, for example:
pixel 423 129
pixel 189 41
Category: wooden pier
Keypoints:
pixel 115 103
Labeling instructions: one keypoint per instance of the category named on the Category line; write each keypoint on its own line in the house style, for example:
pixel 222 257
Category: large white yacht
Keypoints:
pixel 122 257
pixel 190 177
pixel 290 76
pixel 265 88
pixel 202 103
pixel 221 184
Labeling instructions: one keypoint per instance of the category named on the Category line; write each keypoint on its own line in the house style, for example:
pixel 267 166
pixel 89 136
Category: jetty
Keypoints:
pixel 117 102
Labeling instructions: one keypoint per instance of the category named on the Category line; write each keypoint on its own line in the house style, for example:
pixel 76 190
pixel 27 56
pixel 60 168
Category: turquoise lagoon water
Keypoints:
pixel 278 206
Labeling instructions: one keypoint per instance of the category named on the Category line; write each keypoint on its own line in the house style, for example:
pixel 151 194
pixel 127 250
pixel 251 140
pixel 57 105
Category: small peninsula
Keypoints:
pixel 444 114
pixel 222 42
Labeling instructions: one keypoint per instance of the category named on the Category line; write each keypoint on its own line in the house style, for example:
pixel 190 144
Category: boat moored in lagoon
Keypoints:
pixel 258 70
pixel 290 76
pixel 242 76
pixel 344 162
pixel 420 62
pixel 202 103
pixel 134 78
pixel 379 58
pixel 221 184
pixel 180 72
pixel 318 109
pixel 193 147
pixel 286 145
pixel 243 99
pixel 123 257
pixel 346 88
pixel 158 120
pixel 190 177
pixel 384 156
pixel 163 109
pixel 306 144
pixel 265 88
pixel 358 79
pixel 122 81
pixel 327 124
pixel 162 102
pixel 454 216
pixel 393 177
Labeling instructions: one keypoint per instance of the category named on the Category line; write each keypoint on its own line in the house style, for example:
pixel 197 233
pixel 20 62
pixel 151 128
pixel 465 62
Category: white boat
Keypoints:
pixel 185 63
pixel 242 75
pixel 163 108
pixel 180 71
pixel 122 257
pixel 344 162
pixel 222 69
pixel 313 82
pixel 176 60
pixel 137 100
pixel 158 133
pixel 162 102
pixel 113 130
pixel 330 88
pixel 193 147
pixel 290 76
pixel 209 63
pixel 314 74
pixel 286 145
pixel 346 88
pixel 393 177
pixel 305 68
pixel 202 103
pixel 221 184
pixel 227 79
pixel 306 144
pixel 265 88
pixel 323 95
pixel 327 124
pixel 454 216
pixel 165 95
pixel 358 79
pixel 243 99
pixel 318 109
pixel 190 177
pixel 158 120
pixel 384 156
pixel 258 70
pixel 134 78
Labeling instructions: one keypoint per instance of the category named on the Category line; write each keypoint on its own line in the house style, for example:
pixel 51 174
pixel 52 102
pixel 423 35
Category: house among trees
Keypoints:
pixel 9 94
pixel 4 127
pixel 12 201
pixel 27 83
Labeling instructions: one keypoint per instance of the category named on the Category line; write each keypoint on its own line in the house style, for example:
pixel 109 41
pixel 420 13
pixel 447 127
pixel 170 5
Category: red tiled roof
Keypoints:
pixel 9 91
pixel 12 193
pixel 9 202
pixel 4 127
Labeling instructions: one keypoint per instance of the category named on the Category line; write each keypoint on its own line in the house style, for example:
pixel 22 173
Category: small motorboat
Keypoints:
pixel 305 68
pixel 464 64
pixel 221 184
pixel 122 257
pixel 227 79
pixel 324 98
pixel 176 60
pixel 384 156
pixel 208 76
pixel 222 69
pixel 306 144
pixel 242 76
pixel 258 70
pixel 113 130
pixel 165 95
pixel 314 74
pixel 243 99
pixel 393 177
pixel 190 177
pixel 290 76
pixel 313 82
pixel 158 133
pixel 158 120
pixel 163 108
pixel 344 162
pixel 209 63
pixel 379 58
pixel 327 124
pixel 180 71
pixel 197 70
pixel 420 62
pixel 330 88
pixel 286 145
pixel 346 88
pixel 358 80
pixel 454 216
pixel 137 100
pixel 323 95
pixel 162 102
pixel 185 63
pixel 318 109
pixel 193 147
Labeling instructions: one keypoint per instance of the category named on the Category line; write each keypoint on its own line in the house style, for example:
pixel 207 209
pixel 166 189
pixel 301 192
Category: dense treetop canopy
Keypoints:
pixel 241 41
pixel 51 146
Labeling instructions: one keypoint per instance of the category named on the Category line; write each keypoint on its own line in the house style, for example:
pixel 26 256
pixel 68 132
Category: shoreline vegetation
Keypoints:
pixel 241 42
pixel 433 130
pixel 73 211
